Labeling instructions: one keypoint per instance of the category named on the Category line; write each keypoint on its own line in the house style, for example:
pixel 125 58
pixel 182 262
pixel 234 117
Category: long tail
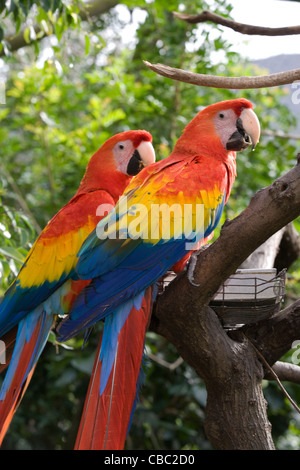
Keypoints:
pixel 112 391
pixel 29 342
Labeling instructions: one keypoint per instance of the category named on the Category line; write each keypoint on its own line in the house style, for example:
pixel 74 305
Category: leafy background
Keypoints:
pixel 65 95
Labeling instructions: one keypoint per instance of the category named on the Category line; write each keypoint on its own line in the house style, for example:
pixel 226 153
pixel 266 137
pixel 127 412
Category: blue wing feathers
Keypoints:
pixel 18 302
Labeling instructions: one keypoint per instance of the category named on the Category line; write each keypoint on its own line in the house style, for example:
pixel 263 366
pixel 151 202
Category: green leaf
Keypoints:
pixel 87 44
pixel 5 269
pixel 13 253
pixel 26 35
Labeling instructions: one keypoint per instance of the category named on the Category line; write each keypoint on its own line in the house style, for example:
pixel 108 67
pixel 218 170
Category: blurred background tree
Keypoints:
pixel 79 79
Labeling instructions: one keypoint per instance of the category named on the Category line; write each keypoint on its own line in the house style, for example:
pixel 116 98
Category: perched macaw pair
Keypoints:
pixel 110 271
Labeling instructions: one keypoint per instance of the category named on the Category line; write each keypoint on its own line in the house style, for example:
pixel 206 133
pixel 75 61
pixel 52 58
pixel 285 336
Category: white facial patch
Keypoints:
pixel 123 151
pixel 225 124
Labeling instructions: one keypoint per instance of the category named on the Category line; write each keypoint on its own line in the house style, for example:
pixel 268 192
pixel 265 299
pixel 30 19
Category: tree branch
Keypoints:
pixel 239 27
pixel 286 372
pixel 227 361
pixel 262 81
pixel 269 210
pixel 274 336
pixel 281 135
pixel 276 378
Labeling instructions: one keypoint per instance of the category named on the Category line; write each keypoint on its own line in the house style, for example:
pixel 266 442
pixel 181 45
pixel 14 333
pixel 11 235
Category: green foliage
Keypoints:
pixel 51 16
pixel 58 111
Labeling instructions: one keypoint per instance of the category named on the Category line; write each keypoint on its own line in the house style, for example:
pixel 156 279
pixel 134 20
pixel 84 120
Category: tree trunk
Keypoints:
pixel 236 416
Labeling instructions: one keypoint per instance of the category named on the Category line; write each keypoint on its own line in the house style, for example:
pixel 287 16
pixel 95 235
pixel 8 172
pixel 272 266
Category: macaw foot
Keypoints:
pixel 191 268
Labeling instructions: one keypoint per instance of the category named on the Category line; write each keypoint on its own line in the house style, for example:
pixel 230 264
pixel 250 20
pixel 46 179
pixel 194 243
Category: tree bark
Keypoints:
pixel 229 83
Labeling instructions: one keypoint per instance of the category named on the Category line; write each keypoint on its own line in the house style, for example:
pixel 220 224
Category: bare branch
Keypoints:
pixel 281 135
pixel 233 83
pixel 239 27
pixel 286 372
pixel 274 336
pixel 275 376
pixel 168 365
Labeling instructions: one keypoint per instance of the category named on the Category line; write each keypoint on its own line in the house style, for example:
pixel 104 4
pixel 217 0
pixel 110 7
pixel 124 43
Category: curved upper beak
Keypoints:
pixel 143 155
pixel 247 133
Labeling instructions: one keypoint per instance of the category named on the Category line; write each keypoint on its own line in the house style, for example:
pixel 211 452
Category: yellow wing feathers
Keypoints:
pixel 50 258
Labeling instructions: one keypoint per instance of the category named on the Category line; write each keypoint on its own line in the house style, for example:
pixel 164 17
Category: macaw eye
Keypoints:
pixel 121 146
pixel 221 115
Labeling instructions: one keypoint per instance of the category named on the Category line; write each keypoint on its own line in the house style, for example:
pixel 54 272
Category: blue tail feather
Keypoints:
pixel 24 334
pixel 112 327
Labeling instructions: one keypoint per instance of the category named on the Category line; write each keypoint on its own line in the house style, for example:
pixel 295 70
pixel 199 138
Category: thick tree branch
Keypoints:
pixel 263 81
pixel 91 9
pixel 227 361
pixel 269 210
pixel 239 27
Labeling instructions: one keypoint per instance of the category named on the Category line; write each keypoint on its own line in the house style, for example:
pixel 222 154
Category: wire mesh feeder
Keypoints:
pixel 248 296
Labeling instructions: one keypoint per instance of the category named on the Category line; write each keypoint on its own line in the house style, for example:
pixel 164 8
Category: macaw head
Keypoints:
pixel 227 126
pixel 131 151
pixel 237 124
pixel 120 158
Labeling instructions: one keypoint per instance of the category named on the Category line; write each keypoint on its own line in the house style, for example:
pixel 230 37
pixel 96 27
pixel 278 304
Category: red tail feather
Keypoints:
pixel 17 388
pixel 106 418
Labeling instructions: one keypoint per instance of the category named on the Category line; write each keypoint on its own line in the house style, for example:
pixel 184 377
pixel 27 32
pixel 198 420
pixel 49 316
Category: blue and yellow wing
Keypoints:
pixel 135 245
pixel 50 262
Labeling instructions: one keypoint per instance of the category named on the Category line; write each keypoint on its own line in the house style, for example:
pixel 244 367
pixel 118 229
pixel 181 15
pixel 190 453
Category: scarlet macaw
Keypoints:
pixel 45 286
pixel 134 245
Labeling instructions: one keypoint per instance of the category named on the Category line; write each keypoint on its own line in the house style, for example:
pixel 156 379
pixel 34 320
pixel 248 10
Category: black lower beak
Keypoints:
pixel 135 164
pixel 239 140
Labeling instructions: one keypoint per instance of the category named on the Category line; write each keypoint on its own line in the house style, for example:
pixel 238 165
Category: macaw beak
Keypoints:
pixel 142 156
pixel 247 133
